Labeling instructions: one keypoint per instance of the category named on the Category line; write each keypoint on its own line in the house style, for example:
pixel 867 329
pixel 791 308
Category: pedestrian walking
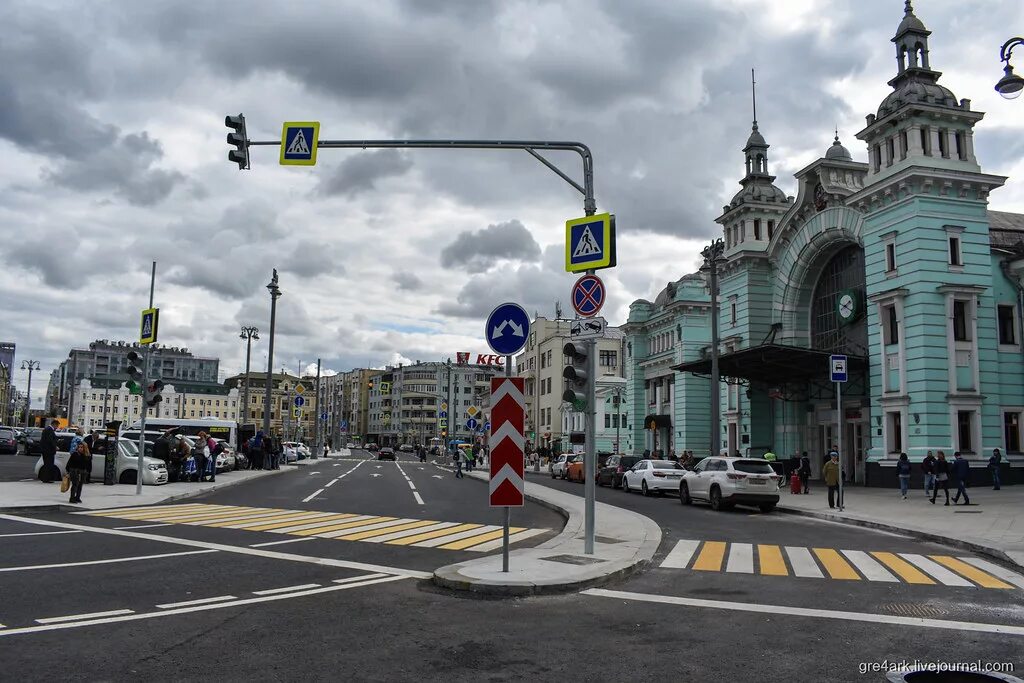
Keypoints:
pixel 928 467
pixel 831 474
pixel 256 451
pixel 48 448
pixel 903 472
pixel 201 454
pixel 993 466
pixel 79 462
pixel 941 477
pixel 962 472
pixel 458 463
pixel 214 448
pixel 805 471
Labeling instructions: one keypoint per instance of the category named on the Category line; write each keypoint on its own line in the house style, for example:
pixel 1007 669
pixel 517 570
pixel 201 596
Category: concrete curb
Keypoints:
pixel 567 542
pixel 993 553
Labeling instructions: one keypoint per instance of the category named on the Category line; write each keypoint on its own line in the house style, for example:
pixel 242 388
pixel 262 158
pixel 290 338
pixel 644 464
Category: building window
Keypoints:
pixel 943 143
pixel 1011 432
pixel 926 142
pixel 607 421
pixel 615 420
pixel 954 252
pixel 958 137
pixel 543 358
pixel 903 144
pixel 876 157
pixel 965 430
pixel 890 257
pixel 961 332
pixel 1007 324
pixel 608 359
pixel 894 422
pixel 757 229
pixel 890 147
pixel 892 326
pixel 771 229
pixel 732 313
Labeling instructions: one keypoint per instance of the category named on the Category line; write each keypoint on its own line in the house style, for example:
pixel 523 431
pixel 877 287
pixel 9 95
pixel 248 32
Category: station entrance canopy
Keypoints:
pixel 774 364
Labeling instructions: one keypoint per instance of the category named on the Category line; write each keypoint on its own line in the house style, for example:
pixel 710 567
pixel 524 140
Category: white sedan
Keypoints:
pixel 154 474
pixel 652 475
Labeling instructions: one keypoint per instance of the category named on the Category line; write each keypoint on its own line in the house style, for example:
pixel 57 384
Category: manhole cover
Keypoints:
pixel 572 559
pixel 907 609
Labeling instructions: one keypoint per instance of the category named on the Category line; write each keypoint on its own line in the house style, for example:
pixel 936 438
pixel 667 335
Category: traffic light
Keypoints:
pixel 134 371
pixel 238 139
pixel 576 375
pixel 369 385
pixel 153 392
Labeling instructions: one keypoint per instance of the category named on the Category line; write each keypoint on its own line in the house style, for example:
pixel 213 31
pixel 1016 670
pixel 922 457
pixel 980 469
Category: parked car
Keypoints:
pixel 614 467
pixel 371 446
pixel 652 475
pixel 8 441
pixel 350 445
pixel 230 457
pixel 30 439
pixel 386 453
pixel 574 470
pixel 288 452
pixel 724 482
pixel 406 448
pixel 126 465
pixel 560 465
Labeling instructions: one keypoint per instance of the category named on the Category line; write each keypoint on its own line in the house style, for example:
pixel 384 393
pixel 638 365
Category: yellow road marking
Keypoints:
pixel 343 525
pixel 213 515
pixel 710 558
pixel 837 567
pixel 144 511
pixel 360 535
pixel 973 573
pixel 464 543
pixel 907 571
pixel 270 517
pixel 437 533
pixel 323 517
pixel 771 560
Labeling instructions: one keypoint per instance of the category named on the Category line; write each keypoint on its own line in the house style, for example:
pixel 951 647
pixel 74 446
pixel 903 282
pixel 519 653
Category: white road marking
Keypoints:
pixel 787 610
pixel 802 562
pixel 434 542
pixel 514 538
pixel 200 608
pixel 741 558
pixel 680 555
pixel 366 527
pixel 416 495
pixel 77 617
pixel 39 533
pixel 361 577
pixel 312 495
pixel 144 526
pixel 112 561
pixel 411 485
pixel 287 589
pixel 200 601
pixel 437 476
pixel 290 540
pixel 332 482
pixel 337 464
pixel 869 567
pixel 312 473
pixel 936 570
pixel 270 554
pixel 994 569
pixel 411 532
pixel 375 475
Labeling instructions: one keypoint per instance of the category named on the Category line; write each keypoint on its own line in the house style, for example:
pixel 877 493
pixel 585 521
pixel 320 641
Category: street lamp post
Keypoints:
pixel 29 365
pixel 1010 85
pixel 248 334
pixel 618 416
pixel 712 258
pixel 275 292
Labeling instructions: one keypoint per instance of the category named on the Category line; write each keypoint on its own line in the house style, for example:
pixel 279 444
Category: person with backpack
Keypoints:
pixel 903 472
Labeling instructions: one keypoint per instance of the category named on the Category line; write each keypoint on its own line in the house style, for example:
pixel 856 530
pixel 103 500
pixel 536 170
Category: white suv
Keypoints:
pixel 723 482
pixel 558 467
pixel 652 475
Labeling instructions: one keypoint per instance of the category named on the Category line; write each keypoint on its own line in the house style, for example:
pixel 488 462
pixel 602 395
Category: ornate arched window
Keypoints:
pixel 843 274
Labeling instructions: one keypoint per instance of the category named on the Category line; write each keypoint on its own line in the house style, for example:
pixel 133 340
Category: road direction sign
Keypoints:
pixel 590 243
pixel 472 411
pixel 588 328
pixel 298 143
pixel 487 426
pixel 323 416
pixel 508 415
pixel 507 328
pixel 588 295
pixel 149 325
pixel 299 401
pixel 838 366
pixel 443 413
pixel 297 413
pixel 299 389
pixel 471 424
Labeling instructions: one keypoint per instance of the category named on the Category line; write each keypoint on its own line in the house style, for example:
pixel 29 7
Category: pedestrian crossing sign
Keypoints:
pixel 148 328
pixel 299 142
pixel 590 243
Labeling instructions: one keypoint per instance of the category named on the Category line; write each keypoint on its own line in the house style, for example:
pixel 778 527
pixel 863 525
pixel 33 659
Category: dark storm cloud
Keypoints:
pixel 310 259
pixel 475 252
pixel 360 172
pixel 406 281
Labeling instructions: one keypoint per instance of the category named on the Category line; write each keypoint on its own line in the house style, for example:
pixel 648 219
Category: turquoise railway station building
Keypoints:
pixel 897 263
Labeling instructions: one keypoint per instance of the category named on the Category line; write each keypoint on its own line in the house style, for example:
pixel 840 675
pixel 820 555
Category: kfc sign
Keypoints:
pixel 463 358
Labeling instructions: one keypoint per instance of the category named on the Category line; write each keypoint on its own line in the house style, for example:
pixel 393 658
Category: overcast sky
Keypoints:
pixel 112 154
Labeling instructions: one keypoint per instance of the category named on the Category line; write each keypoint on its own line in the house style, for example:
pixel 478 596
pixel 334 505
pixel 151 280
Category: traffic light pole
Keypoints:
pixel 590 455
pixel 139 468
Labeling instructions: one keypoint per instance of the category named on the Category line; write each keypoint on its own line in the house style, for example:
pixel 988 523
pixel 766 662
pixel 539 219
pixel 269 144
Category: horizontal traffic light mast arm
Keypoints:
pixel 531 146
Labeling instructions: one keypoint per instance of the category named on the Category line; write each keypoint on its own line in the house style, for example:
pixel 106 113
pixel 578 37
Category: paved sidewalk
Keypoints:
pixel 993 524
pixel 625 542
pixel 35 495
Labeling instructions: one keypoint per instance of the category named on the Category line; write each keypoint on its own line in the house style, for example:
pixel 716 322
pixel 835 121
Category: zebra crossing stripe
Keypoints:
pixel 428 535
pixel 359 536
pixel 311 520
pixel 434 526
pixel 835 565
pixel 995 570
pixel 251 523
pixel 680 556
pixel 472 533
pixel 710 558
pixel 867 566
pixel 512 538
pixel 474 540
pixel 939 572
pixel 741 558
pixel 340 527
pixel 772 563
pixel 979 577
pixel 907 571
pixel 802 562
pixel 368 525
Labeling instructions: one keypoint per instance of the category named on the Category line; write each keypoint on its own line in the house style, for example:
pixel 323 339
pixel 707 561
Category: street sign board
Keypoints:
pixel 838 367
pixel 299 401
pixel 471 424
pixel 298 143
pixel 588 296
pixel 443 413
pixel 472 411
pixel 444 422
pixel 487 426
pixel 507 328
pixel 508 417
pixel 299 389
pixel 149 325
pixel 588 328
pixel 323 416
pixel 590 243
pixel 297 413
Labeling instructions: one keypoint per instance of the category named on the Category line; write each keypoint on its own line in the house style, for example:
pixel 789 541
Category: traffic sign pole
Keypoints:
pixel 508 510
pixel 839 438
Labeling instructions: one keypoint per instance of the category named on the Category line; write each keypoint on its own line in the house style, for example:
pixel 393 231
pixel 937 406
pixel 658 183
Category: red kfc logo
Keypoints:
pixel 462 357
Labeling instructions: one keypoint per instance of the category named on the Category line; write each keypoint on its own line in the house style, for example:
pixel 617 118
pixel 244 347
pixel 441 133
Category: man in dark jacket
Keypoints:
pixel 993 465
pixel 48 447
pixel 962 471
pixel 928 468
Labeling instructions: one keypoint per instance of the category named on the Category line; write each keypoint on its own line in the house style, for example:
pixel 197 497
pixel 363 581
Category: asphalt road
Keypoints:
pixel 357 610
pixel 17 467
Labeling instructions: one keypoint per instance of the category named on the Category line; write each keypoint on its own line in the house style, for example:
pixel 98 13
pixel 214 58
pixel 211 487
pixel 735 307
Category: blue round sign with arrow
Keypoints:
pixel 299 401
pixel 507 329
